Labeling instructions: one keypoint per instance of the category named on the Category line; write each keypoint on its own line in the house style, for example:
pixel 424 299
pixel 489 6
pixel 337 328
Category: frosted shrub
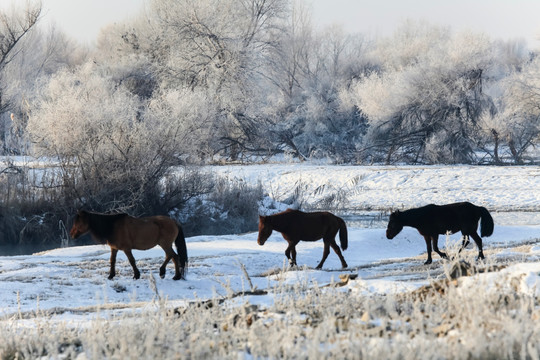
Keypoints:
pixel 113 147
pixel 93 128
pixel 228 207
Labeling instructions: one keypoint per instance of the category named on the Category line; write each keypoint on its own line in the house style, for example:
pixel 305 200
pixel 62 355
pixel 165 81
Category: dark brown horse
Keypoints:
pixel 432 220
pixel 124 232
pixel 295 225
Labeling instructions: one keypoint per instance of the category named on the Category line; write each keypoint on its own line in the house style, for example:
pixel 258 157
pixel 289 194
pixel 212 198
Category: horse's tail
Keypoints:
pixel 343 234
pixel 486 225
pixel 181 249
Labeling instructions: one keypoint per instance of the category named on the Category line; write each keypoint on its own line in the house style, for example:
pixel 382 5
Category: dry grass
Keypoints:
pixel 464 318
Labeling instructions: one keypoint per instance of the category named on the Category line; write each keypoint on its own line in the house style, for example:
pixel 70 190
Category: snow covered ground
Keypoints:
pixel 71 282
pixel 72 279
pixel 515 188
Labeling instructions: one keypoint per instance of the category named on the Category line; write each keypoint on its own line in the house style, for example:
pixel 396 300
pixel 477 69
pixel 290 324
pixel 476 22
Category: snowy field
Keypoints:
pixel 76 277
pixel 360 188
pixel 70 286
pixel 73 279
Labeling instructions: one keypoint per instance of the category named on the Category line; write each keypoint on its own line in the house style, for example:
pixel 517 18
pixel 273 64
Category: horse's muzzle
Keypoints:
pixel 389 236
pixel 74 233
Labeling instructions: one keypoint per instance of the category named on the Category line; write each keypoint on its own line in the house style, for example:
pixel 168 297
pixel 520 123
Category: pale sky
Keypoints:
pixel 499 19
pixel 504 19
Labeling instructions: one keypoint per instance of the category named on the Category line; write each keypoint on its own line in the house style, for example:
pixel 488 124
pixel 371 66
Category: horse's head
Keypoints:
pixel 80 224
pixel 264 230
pixel 394 225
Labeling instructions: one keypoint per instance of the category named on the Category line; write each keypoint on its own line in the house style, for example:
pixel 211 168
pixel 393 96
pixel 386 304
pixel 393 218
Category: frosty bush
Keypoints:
pixel 114 149
pixel 229 207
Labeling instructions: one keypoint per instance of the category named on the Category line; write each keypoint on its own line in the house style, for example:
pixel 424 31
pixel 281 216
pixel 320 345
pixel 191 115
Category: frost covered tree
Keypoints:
pixel 40 54
pixel 425 105
pixel 309 68
pixel 218 47
pixel 514 128
pixel 15 24
pixel 131 56
pixel 113 150
pixel 523 100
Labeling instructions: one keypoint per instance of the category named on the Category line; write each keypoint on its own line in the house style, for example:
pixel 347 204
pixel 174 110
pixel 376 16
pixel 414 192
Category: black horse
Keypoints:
pixel 432 220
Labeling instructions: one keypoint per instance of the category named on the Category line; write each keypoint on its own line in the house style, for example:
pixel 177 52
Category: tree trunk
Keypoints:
pixel 496 147
pixel 515 154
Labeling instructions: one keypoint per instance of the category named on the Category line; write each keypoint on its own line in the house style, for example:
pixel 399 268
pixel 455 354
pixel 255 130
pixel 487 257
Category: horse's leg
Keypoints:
pixel 337 250
pixel 176 261
pixel 478 240
pixel 428 245
pixel 293 253
pixel 291 249
pixel 172 254
pixel 435 241
pixel 136 273
pixel 464 243
pixel 288 253
pixel 326 251
pixel 112 271
pixel 164 265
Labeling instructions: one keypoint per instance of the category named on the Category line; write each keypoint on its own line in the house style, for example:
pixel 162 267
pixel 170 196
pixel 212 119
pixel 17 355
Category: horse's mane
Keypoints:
pixel 102 225
pixel 285 213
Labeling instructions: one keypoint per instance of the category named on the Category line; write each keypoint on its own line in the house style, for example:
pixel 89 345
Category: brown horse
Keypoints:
pixel 432 220
pixel 295 225
pixel 124 232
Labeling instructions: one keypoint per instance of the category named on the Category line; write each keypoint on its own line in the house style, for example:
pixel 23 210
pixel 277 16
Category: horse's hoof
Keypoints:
pixel 428 262
pixel 110 277
pixel 137 276
pixel 177 277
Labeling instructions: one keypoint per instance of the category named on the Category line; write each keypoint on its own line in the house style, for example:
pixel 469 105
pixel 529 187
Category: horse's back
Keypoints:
pixel 461 216
pixel 309 218
pixel 147 232
pixel 461 212
pixel 307 226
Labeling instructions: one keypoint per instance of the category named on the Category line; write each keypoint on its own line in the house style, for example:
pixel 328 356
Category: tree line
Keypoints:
pixel 238 80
